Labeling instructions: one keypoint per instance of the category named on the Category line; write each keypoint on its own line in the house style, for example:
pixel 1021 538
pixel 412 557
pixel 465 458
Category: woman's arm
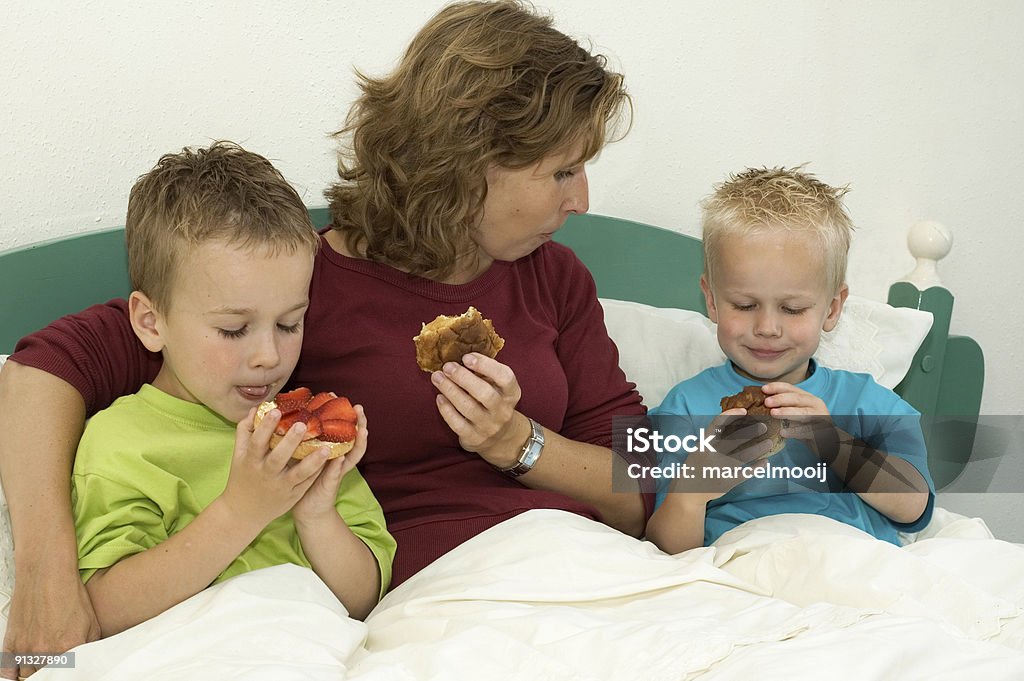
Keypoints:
pixel 478 402
pixel 43 418
pixel 58 376
pixel 579 470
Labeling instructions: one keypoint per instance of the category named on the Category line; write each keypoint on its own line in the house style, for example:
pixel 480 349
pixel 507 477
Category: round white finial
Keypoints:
pixel 928 242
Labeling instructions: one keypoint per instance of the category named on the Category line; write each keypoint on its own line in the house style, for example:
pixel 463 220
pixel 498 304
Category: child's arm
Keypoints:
pixel 338 556
pixel 261 486
pixel 342 560
pixel 889 484
pixel 678 524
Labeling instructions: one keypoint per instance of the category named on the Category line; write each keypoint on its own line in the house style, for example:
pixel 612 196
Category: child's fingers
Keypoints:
pixel 259 440
pixel 788 399
pixel 334 471
pixel 731 427
pixel 355 455
pixel 780 388
pixel 244 430
pixel 324 480
pixel 359 448
pixel 750 451
pixel 303 473
pixel 804 426
pixel 282 452
pixel 353 458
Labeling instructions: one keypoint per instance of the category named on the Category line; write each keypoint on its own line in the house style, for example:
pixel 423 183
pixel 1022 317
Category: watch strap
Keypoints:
pixel 531 452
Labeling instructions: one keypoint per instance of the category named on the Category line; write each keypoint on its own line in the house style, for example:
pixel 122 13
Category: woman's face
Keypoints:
pixel 525 207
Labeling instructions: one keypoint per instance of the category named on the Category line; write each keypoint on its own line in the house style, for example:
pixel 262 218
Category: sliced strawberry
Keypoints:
pixel 295 399
pixel 319 400
pixel 338 409
pixel 291 418
pixel 313 427
pixel 338 431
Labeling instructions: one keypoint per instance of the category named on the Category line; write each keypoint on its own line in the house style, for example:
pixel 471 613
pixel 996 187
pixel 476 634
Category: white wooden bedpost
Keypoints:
pixel 929 242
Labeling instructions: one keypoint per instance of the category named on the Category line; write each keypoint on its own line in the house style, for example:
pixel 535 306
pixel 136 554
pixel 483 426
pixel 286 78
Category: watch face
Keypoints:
pixel 531 452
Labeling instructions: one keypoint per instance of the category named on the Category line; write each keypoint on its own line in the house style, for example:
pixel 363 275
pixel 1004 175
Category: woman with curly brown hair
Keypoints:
pixel 455 171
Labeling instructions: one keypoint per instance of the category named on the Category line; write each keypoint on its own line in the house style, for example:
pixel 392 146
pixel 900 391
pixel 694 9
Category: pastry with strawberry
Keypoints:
pixel 330 421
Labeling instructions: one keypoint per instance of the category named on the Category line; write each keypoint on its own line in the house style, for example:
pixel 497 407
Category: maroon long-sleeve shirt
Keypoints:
pixel 358 342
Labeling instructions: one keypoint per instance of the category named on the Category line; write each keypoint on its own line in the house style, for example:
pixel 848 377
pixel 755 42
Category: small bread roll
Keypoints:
pixel 448 339
pixel 751 398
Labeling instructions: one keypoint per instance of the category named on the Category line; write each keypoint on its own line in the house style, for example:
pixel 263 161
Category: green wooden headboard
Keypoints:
pixel 629 260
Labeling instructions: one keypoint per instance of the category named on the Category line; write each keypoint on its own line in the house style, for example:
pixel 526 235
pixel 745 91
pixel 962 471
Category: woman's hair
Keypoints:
pixel 483 83
pixel 762 199
pixel 221 193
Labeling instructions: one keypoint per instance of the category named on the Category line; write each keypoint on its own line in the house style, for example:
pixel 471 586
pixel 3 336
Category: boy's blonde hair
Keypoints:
pixel 482 83
pixel 762 199
pixel 221 193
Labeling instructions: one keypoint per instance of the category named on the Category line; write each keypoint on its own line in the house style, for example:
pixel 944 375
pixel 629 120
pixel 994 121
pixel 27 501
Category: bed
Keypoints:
pixel 549 595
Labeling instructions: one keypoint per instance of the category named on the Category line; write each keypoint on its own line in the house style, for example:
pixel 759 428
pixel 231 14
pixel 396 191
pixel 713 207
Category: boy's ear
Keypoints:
pixel 145 321
pixel 835 308
pixel 709 298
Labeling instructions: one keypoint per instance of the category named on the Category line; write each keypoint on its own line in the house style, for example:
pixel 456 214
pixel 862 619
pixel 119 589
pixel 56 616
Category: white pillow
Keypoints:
pixel 659 347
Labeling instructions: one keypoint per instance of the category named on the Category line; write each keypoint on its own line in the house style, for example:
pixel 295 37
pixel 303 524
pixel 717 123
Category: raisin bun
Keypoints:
pixel 751 398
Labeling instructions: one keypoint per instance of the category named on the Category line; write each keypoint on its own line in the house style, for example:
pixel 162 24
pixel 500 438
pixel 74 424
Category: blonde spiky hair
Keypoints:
pixel 763 199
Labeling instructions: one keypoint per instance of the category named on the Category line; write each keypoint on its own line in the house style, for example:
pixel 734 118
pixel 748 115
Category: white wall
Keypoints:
pixel 918 105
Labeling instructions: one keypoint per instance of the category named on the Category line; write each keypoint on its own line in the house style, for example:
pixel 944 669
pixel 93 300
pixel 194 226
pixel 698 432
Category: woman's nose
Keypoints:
pixel 578 200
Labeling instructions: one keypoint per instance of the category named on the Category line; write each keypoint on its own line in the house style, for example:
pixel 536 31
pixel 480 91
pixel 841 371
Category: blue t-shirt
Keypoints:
pixel 858 405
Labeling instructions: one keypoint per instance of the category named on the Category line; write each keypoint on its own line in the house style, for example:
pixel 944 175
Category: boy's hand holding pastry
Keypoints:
pixel 318 503
pixel 804 416
pixel 738 444
pixel 263 482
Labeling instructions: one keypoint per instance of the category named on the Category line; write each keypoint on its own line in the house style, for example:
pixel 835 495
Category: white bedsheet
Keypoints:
pixel 549 595
pixel 280 623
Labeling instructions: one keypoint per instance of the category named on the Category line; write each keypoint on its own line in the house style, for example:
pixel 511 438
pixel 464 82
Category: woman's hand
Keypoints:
pixel 320 499
pixel 264 483
pixel 49 615
pixel 478 399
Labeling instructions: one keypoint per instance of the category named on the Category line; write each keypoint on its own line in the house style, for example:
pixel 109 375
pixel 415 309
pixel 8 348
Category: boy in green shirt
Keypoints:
pixel 220 251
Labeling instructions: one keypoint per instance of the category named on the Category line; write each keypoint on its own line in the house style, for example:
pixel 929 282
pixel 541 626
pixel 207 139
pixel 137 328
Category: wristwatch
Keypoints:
pixel 531 452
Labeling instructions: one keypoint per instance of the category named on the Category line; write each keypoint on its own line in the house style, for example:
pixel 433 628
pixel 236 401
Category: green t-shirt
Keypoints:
pixel 147 466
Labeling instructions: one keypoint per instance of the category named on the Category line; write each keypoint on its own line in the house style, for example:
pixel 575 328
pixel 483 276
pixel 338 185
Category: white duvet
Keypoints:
pixel 550 595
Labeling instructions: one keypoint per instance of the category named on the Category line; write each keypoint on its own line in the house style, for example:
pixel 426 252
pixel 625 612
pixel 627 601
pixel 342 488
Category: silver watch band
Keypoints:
pixel 531 452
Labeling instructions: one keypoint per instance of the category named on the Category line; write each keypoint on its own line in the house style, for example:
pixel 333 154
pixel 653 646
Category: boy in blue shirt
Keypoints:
pixel 775 249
